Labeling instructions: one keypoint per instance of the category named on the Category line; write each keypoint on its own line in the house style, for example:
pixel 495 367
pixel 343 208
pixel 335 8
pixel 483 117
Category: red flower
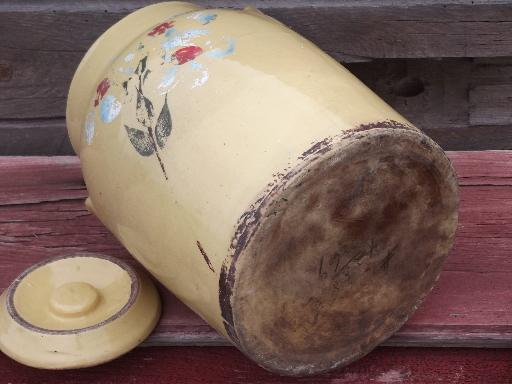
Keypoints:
pixel 186 54
pixel 101 90
pixel 161 28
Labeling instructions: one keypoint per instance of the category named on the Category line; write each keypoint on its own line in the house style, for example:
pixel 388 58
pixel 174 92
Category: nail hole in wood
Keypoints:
pixel 5 72
pixel 409 87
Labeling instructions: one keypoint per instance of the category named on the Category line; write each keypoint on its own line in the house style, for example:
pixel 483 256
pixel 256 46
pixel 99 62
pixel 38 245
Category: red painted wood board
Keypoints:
pixel 42 215
pixel 226 365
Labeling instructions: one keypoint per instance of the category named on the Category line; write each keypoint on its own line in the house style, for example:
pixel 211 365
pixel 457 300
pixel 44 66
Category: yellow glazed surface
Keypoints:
pixel 76 311
pixel 184 118
pixel 216 168
pixel 73 293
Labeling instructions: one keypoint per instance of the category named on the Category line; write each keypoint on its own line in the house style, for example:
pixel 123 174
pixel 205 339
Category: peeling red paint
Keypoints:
pixel 161 28
pixel 184 55
pixel 101 90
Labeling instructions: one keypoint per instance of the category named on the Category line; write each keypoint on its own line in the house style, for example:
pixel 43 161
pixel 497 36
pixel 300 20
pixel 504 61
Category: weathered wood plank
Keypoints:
pixel 490 95
pixel 431 93
pixel 34 84
pixel 49 137
pixel 476 138
pixel 483 168
pixel 372 29
pixel 43 41
pixel 29 180
pixel 427 90
pixel 34 137
pixel 227 365
pixel 42 215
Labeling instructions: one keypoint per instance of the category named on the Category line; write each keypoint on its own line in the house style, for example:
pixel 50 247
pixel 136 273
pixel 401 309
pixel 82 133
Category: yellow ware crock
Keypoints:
pixel 261 182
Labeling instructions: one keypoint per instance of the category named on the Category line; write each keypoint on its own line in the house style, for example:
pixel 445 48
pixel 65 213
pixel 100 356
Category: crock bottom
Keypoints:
pixel 342 252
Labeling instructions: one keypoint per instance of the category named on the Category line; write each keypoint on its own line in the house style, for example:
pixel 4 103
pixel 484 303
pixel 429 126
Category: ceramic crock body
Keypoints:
pixel 261 182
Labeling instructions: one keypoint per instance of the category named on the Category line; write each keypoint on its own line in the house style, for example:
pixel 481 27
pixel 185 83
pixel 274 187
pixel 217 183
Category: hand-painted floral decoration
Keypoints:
pixel 129 57
pixel 161 28
pixel 101 90
pixel 180 39
pixel 186 54
pixel 203 17
pixel 220 53
pixel 109 109
pixel 149 137
pixel 182 50
pixel 89 127
pixel 206 18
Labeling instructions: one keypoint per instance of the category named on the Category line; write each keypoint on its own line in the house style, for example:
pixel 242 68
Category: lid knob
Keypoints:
pixel 76 311
pixel 74 299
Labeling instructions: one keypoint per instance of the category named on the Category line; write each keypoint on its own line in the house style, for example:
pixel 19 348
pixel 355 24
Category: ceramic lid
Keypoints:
pixel 76 311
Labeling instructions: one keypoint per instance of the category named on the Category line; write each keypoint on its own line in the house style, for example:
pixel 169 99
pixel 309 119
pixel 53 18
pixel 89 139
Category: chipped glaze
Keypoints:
pixel 225 113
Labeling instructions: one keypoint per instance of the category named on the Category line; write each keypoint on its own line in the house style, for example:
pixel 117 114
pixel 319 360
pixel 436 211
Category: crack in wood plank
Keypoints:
pixel 475 284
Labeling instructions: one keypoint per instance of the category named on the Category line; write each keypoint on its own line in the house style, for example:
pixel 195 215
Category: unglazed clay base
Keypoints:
pixel 76 311
pixel 336 256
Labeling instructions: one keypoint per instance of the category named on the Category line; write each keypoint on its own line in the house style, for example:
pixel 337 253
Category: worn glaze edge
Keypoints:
pixel 14 314
pixel 249 221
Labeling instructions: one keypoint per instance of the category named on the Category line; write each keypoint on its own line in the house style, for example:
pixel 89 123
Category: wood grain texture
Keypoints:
pixel 177 365
pixel 482 137
pixel 34 137
pixel 455 101
pixel 50 138
pixel 42 215
pixel 368 29
pixel 39 82
pixel 463 103
pixel 490 96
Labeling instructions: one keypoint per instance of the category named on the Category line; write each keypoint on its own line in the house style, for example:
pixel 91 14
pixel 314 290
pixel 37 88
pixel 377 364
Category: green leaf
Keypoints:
pixel 146 75
pixel 140 141
pixel 144 109
pixel 163 125
pixel 125 87
pixel 141 67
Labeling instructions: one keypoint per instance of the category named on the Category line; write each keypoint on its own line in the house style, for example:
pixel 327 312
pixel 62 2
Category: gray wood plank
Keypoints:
pixel 34 137
pixel 456 101
pixel 375 29
pixel 35 85
pixel 491 104
pixel 431 93
pixel 490 96
pixel 47 138
pixel 43 42
pixel 477 138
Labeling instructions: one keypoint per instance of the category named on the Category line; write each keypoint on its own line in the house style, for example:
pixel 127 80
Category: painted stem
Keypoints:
pixel 153 142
